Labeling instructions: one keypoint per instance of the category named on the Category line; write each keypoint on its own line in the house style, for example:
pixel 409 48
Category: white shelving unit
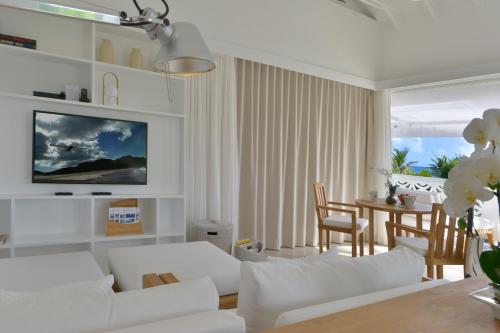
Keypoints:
pixel 39 222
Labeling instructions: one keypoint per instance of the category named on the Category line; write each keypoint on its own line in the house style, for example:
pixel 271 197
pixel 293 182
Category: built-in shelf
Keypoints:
pixel 89 105
pixel 170 233
pixel 42 55
pixel 46 223
pixel 103 238
pixel 50 239
pixel 137 71
pixel 88 196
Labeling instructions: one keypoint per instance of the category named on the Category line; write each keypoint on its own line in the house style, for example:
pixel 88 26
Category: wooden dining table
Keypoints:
pixel 396 213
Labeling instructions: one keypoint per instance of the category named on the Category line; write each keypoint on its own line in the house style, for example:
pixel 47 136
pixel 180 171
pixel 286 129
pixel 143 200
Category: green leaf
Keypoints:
pixel 490 263
pixel 462 223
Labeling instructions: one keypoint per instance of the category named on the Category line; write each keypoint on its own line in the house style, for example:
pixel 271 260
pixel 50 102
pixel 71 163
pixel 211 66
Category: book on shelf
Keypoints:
pixel 125 215
pixel 18 41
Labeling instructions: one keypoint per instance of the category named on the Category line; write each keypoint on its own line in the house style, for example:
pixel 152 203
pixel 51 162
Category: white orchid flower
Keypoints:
pixel 492 116
pixel 454 208
pixel 487 169
pixel 480 132
pixel 463 193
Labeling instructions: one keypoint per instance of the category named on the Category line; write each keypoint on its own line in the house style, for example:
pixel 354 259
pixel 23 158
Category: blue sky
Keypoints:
pixel 422 150
pixel 114 148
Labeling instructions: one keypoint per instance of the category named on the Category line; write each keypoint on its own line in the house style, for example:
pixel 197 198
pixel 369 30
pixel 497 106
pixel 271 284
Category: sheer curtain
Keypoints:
pixel 295 129
pixel 211 147
pixel 379 154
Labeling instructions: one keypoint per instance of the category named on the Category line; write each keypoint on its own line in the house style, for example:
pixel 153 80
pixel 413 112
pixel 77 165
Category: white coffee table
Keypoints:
pixel 185 260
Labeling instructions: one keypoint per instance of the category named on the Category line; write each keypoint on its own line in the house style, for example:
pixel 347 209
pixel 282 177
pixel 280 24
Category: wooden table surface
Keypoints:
pixel 395 215
pixel 447 308
pixel 381 205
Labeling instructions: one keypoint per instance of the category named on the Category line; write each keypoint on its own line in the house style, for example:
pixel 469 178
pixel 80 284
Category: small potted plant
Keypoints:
pixel 391 188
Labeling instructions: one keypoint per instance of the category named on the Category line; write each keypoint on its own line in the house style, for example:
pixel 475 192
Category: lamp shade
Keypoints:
pixel 184 52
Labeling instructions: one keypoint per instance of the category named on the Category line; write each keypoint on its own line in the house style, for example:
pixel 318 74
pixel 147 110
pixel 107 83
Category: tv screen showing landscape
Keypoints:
pixel 74 149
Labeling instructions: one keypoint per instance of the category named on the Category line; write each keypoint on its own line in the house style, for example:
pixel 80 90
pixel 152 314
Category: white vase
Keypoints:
pixel 473 252
pixel 136 60
pixel 106 52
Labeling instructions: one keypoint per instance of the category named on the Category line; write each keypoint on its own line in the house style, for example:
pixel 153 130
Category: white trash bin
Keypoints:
pixel 219 233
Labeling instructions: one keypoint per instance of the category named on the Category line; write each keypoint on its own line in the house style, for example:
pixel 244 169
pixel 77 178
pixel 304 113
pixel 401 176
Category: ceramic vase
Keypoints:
pixel 136 60
pixel 391 199
pixel 106 52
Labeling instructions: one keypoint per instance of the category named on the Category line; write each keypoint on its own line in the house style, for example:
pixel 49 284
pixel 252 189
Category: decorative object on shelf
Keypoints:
pixel 136 60
pixel 84 96
pixel 72 92
pixel 106 52
pixel 124 218
pixel 477 179
pixel 110 90
pixel 391 187
pixel 3 238
pixel 61 95
pixel 18 41
pixel 373 196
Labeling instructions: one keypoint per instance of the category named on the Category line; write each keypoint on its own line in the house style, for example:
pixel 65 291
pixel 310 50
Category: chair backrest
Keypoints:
pixel 449 241
pixel 320 197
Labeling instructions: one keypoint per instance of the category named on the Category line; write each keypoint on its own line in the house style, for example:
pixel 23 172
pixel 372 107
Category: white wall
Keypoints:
pixel 317 37
pixel 462 41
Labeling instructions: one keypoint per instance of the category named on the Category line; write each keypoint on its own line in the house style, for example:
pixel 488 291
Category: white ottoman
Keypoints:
pixel 185 260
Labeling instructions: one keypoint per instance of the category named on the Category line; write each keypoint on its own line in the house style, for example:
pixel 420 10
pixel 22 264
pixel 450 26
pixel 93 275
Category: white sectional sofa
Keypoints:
pixel 279 293
pixel 68 293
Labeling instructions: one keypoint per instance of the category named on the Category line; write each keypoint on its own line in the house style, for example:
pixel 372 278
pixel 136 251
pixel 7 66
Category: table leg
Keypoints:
pixel 371 227
pixel 398 221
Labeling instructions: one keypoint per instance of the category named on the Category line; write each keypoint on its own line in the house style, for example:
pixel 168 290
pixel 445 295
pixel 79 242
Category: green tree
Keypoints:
pixel 400 165
pixel 443 165
pixel 425 173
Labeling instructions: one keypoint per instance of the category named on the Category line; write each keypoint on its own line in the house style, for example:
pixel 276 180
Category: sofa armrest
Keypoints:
pixel 203 322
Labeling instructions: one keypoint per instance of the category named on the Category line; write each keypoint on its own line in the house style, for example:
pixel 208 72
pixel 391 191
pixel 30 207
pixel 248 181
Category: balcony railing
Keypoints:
pixel 416 183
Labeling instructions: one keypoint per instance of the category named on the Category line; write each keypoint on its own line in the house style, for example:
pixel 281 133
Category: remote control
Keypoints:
pixel 101 193
pixel 63 193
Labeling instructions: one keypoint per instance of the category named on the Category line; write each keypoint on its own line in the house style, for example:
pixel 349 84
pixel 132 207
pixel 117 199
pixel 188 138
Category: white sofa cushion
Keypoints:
pixel 267 289
pixel 416 244
pixel 86 308
pixel 203 322
pixel 187 261
pixel 344 221
pixel 41 272
pixel 136 307
pixel 64 309
pixel 315 311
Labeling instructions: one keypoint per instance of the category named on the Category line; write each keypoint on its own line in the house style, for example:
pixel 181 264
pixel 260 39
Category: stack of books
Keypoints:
pixel 3 238
pixel 18 41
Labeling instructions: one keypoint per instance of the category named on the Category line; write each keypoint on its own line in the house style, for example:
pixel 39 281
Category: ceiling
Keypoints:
pixel 442 110
pixel 399 12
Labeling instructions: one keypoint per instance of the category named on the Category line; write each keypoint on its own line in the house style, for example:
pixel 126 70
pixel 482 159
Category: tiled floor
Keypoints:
pixel 452 273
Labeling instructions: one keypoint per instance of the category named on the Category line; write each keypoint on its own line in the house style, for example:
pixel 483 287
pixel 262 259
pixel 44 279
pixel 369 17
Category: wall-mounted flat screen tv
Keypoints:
pixel 73 149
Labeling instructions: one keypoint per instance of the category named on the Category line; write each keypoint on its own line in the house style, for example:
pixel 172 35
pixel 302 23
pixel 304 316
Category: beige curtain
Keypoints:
pixel 295 129
pixel 379 155
pixel 211 146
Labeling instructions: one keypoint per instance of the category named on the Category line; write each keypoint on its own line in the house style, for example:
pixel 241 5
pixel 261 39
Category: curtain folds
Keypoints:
pixel 295 129
pixel 211 147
